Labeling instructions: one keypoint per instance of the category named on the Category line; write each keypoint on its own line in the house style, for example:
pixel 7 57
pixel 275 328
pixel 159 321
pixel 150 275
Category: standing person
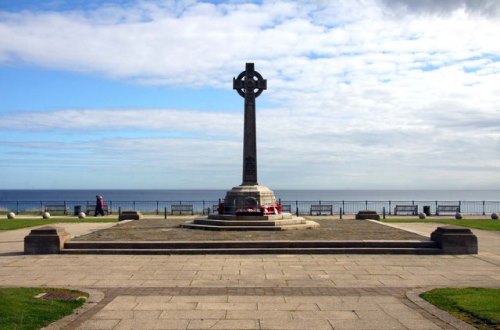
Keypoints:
pixel 99 206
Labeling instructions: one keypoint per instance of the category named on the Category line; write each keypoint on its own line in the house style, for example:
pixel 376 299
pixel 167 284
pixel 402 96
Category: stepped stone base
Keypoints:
pixel 284 221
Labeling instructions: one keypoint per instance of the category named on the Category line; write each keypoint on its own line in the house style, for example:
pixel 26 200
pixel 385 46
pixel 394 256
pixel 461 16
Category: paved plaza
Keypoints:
pixel 254 291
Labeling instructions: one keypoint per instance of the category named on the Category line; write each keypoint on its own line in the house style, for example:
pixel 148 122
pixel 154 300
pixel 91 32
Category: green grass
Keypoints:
pixel 10 224
pixel 19 309
pixel 485 224
pixel 479 307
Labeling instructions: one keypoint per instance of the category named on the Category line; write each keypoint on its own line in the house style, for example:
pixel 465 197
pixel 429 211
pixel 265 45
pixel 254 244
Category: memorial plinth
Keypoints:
pixel 246 197
pixel 250 206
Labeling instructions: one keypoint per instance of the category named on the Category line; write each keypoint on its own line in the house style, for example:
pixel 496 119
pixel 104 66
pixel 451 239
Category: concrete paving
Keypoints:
pixel 254 291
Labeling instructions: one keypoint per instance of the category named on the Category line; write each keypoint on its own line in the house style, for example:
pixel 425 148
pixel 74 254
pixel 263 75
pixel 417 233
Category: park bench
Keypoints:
pixel 182 208
pixel 447 209
pixel 91 208
pixel 286 208
pixel 56 208
pixel 321 208
pixel 412 209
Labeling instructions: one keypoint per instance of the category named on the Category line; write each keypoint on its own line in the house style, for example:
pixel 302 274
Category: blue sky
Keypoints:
pixel 373 94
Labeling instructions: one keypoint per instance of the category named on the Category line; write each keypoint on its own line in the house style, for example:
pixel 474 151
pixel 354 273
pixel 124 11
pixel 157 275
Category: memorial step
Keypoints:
pixel 254 247
pixel 246 251
pixel 251 227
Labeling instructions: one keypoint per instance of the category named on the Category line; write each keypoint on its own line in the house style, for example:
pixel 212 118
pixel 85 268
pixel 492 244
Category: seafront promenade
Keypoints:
pixel 300 206
pixel 254 291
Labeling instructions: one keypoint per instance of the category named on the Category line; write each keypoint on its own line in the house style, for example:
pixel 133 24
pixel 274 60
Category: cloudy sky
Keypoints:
pixel 362 94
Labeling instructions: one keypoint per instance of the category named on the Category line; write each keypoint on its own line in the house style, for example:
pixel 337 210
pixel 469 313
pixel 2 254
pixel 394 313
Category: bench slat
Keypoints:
pixel 55 208
pixel 406 208
pixel 319 209
pixel 447 209
pixel 181 208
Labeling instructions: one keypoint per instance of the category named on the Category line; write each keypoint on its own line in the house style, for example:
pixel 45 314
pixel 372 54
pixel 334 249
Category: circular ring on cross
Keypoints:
pixel 250 85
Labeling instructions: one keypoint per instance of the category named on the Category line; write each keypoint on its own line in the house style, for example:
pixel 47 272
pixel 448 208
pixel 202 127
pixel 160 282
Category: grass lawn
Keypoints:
pixel 479 307
pixel 485 224
pixel 9 224
pixel 19 309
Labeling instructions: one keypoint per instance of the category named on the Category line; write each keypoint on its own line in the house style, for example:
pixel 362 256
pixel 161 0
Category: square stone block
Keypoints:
pixel 455 240
pixel 364 215
pixel 45 240
pixel 130 215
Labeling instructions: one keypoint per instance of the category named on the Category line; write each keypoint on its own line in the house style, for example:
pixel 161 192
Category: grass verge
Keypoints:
pixel 19 309
pixel 11 224
pixel 485 224
pixel 477 306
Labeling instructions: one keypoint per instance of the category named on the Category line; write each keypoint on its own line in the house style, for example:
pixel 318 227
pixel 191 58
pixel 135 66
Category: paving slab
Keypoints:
pixel 255 291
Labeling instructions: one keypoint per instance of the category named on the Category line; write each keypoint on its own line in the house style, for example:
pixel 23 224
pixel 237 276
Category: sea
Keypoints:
pixel 216 194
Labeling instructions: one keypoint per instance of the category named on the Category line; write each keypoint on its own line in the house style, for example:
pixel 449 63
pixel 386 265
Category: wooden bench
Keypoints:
pixel 56 208
pixel 447 209
pixel 320 209
pixel 412 209
pixel 182 208
pixel 91 209
pixel 286 208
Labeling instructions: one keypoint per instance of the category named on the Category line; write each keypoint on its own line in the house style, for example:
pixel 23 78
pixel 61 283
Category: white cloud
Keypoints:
pixel 376 88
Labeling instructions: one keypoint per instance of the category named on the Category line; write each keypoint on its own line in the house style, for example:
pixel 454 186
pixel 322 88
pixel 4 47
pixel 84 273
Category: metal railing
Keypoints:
pixel 297 207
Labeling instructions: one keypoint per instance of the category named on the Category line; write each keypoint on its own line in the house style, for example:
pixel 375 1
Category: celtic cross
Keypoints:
pixel 249 84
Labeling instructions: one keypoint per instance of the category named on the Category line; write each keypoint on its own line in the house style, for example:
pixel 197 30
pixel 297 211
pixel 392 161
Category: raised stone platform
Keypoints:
pixel 284 221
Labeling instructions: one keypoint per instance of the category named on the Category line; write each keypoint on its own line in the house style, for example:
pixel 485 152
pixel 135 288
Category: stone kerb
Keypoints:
pixel 45 240
pixel 455 240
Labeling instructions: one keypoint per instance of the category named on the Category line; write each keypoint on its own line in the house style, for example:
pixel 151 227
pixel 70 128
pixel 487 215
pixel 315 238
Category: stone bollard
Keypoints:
pixel 11 215
pixel 458 216
pixel 494 216
pixel 81 215
pixel 455 240
pixel 46 215
pixel 422 216
pixel 45 240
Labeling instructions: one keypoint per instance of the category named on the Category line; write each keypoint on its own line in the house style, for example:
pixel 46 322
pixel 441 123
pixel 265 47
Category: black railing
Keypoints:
pixel 296 207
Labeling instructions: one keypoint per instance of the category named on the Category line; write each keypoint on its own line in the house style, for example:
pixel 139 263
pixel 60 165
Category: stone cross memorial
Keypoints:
pixel 249 206
pixel 249 195
pixel 249 85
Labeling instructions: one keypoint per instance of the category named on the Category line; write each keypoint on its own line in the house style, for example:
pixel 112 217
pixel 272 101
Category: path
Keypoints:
pixel 259 291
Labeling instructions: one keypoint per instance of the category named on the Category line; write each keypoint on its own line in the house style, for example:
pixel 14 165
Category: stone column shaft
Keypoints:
pixel 250 142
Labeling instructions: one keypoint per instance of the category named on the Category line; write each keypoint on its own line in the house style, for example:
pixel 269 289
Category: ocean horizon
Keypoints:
pixel 215 194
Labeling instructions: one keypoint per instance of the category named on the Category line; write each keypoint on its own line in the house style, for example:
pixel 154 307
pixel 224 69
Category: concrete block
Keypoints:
pixel 363 215
pixel 45 240
pixel 130 215
pixel 455 240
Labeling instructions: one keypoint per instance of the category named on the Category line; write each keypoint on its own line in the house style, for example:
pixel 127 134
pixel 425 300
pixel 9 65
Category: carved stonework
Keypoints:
pixel 249 84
